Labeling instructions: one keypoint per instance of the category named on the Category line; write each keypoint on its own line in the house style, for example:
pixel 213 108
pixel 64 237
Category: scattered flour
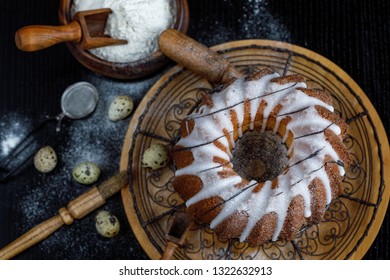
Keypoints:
pixel 254 21
pixel 95 139
pixel 14 146
pixel 13 128
pixel 258 22
pixel 139 22
pixel 9 143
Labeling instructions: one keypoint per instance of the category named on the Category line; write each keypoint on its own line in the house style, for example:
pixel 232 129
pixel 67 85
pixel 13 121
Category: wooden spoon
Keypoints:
pixel 86 29
pixel 176 235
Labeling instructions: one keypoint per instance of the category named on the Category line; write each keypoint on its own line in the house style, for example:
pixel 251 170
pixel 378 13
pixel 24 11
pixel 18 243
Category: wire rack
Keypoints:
pixel 350 220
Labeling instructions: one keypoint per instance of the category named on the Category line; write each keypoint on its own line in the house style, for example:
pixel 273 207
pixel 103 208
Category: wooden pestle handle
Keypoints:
pixel 37 37
pixel 197 57
pixel 76 209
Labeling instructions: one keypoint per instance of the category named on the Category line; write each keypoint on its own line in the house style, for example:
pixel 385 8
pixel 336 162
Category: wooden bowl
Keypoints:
pixel 127 70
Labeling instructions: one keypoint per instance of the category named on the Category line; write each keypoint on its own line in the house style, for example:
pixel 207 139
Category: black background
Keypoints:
pixel 353 34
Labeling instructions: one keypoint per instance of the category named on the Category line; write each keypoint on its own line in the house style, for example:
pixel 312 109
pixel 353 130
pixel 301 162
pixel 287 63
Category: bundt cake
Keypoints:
pixel 256 112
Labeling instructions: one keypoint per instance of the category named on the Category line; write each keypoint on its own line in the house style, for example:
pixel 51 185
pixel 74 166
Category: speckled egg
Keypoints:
pixel 155 157
pixel 107 224
pixel 120 108
pixel 45 160
pixel 86 173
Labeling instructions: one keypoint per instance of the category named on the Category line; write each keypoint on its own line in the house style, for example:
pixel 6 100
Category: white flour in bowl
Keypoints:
pixel 140 22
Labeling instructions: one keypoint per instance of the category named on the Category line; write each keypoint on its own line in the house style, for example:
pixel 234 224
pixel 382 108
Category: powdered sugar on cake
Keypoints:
pixel 306 158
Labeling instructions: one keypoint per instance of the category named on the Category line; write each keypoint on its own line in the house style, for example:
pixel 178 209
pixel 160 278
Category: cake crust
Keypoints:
pixel 256 212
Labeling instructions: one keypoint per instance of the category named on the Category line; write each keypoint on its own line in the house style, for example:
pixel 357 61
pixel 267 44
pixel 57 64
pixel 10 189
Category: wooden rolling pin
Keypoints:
pixel 197 57
pixel 76 209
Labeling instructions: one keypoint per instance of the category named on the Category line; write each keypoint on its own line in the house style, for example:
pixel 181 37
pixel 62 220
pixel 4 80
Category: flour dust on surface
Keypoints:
pixel 254 20
pixel 95 139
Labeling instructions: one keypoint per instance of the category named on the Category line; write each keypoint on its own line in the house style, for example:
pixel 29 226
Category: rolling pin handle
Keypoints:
pixel 197 57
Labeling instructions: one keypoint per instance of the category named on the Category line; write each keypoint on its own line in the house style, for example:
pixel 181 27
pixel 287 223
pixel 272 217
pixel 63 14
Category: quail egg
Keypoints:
pixel 120 108
pixel 86 173
pixel 107 224
pixel 155 157
pixel 45 160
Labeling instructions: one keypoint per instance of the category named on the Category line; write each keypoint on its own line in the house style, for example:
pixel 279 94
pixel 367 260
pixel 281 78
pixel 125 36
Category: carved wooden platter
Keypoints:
pixel 351 222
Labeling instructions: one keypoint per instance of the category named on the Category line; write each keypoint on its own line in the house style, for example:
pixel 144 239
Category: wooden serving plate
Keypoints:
pixel 351 222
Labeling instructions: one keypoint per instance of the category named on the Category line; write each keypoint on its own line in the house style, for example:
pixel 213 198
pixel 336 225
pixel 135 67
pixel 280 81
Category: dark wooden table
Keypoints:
pixel 354 34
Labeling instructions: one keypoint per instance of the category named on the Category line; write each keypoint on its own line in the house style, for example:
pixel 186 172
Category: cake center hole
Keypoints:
pixel 259 156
